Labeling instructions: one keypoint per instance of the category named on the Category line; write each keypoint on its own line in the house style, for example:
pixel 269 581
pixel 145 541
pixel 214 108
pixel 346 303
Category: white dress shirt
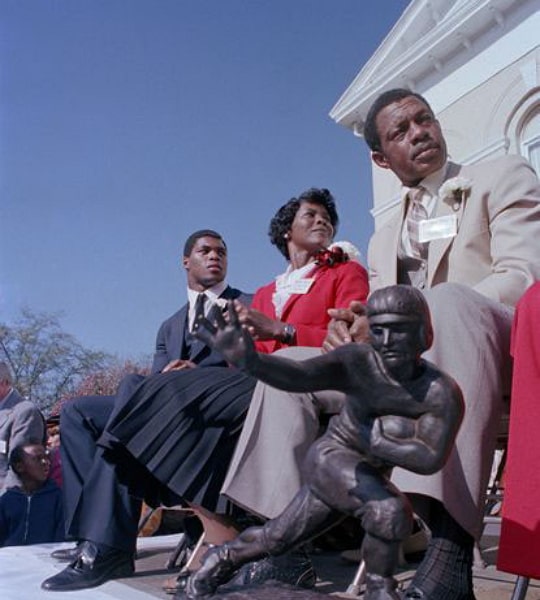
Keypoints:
pixel 212 294
pixel 431 184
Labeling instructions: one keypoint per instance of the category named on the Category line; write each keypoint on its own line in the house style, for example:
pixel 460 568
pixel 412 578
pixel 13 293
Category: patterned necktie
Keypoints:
pixel 199 310
pixel 416 213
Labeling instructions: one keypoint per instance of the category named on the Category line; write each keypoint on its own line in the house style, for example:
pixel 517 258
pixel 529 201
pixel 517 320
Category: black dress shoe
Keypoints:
pixel 294 568
pixel 92 567
pixel 67 554
pixel 412 593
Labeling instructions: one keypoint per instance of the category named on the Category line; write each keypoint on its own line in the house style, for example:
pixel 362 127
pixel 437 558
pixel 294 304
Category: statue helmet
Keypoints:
pixel 401 303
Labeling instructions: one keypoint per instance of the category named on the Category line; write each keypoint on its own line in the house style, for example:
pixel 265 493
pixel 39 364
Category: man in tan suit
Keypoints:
pixel 469 237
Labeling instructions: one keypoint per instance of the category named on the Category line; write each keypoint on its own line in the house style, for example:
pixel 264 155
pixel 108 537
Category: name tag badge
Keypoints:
pixel 3 447
pixel 302 286
pixel 436 229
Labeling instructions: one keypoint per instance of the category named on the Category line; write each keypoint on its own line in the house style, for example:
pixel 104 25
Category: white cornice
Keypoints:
pixel 431 39
pixel 496 148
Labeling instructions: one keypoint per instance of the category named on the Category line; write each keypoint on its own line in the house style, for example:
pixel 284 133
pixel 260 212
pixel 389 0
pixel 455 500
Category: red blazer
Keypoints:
pixel 334 287
pixel 519 546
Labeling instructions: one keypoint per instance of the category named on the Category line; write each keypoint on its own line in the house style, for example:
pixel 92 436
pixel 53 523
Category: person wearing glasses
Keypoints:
pixel 31 511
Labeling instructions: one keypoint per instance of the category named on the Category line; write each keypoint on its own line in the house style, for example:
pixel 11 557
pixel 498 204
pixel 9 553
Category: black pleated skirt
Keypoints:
pixel 182 427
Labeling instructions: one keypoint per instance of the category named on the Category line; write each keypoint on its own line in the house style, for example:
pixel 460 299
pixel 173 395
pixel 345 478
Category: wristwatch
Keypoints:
pixel 288 335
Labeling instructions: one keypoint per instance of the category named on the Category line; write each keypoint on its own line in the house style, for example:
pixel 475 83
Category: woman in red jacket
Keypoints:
pixel 182 426
pixel 292 310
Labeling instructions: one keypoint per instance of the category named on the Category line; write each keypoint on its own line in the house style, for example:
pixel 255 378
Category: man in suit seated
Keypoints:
pixel 100 513
pixel 20 420
pixel 477 252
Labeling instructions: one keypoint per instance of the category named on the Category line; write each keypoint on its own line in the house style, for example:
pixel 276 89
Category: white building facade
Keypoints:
pixel 477 62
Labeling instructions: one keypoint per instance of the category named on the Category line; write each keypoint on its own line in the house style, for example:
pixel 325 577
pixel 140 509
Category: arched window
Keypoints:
pixel 523 128
pixel 529 137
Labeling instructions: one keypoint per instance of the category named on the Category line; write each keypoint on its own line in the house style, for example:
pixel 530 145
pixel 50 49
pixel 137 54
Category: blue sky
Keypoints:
pixel 127 124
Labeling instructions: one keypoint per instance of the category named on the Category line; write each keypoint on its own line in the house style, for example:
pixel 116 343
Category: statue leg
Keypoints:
pixel 344 479
pixel 339 477
pixel 386 523
pixel 304 518
pixel 387 520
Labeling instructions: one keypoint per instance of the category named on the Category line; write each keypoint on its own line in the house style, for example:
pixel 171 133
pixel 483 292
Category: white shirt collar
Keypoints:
pixel 431 183
pixel 212 294
pixel 285 283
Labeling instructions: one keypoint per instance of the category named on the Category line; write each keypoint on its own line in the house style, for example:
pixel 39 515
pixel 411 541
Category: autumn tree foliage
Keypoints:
pixel 50 365
pixel 105 382
pixel 46 362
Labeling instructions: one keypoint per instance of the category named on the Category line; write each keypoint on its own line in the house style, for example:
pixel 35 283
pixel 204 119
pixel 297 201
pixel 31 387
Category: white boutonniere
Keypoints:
pixel 350 250
pixel 455 190
pixel 221 303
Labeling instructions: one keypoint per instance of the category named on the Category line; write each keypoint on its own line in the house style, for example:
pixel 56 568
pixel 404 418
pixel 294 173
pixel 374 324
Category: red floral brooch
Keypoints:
pixel 331 256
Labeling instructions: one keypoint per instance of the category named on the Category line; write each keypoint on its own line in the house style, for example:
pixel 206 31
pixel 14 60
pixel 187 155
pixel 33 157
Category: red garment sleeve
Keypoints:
pixel 333 287
pixel 262 301
pixel 351 283
pixel 521 512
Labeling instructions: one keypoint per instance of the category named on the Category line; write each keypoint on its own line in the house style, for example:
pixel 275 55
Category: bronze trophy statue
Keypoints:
pixel 399 410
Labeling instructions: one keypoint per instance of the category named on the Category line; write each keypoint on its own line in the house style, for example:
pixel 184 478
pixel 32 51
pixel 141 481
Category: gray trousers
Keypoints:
pixel 471 344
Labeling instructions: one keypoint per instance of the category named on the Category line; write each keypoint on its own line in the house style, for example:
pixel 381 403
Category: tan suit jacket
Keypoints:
pixel 496 252
pixel 497 247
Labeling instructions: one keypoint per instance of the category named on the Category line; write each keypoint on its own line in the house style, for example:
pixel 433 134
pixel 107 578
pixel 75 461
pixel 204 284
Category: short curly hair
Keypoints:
pixel 17 454
pixel 282 221
pixel 197 235
pixel 371 133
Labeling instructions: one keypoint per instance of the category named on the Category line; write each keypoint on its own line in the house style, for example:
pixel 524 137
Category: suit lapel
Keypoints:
pixel 445 207
pixel 392 275
pixel 227 293
pixel 389 268
pixel 6 408
pixel 179 333
pixel 5 414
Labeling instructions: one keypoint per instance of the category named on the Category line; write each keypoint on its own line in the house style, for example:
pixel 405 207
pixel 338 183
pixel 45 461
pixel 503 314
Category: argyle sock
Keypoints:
pixel 446 571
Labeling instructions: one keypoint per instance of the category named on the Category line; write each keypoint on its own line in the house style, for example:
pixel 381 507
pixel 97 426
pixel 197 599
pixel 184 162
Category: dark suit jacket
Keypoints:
pixel 170 337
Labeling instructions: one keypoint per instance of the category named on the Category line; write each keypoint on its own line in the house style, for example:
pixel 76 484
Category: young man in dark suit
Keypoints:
pixel 100 512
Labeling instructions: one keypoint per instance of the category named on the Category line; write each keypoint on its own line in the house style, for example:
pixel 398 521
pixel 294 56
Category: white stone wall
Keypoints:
pixel 486 97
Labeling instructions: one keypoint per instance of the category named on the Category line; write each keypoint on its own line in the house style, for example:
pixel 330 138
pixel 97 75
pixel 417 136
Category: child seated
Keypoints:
pixel 40 520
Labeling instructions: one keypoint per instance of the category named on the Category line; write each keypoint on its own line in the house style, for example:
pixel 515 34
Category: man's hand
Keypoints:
pixel 229 337
pixel 178 365
pixel 347 325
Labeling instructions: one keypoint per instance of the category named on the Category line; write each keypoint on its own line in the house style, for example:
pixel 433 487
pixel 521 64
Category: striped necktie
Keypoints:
pixel 416 213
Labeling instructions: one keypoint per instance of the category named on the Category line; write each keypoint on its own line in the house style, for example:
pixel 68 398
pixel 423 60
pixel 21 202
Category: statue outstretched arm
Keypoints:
pixel 236 345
